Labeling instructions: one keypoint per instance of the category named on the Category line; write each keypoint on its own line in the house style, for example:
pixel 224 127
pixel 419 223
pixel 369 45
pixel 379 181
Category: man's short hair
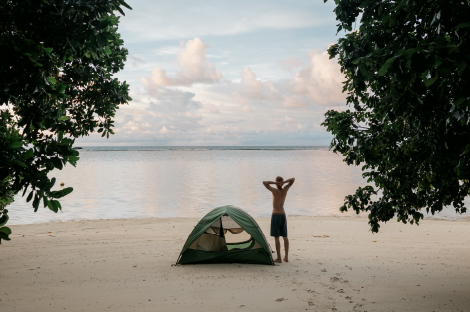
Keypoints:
pixel 279 179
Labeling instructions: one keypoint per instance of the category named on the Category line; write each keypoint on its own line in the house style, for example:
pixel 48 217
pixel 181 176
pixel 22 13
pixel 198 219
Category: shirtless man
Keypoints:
pixel 278 219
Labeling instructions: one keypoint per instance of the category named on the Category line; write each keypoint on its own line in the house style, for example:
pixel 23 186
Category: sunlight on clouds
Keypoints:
pixel 194 65
pixel 193 68
pixel 252 88
pixel 178 107
pixel 318 82
pixel 278 109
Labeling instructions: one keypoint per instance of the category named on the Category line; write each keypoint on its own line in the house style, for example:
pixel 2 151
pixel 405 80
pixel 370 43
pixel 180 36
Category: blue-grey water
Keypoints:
pixel 139 182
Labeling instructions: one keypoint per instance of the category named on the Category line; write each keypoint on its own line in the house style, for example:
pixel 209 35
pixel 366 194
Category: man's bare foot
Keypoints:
pixel 286 260
pixel 278 260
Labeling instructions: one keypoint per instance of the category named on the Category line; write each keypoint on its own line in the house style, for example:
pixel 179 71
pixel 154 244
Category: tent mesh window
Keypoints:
pixel 225 234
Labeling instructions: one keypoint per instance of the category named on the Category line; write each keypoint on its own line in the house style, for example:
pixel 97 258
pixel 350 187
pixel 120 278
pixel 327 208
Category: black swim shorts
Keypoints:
pixel 279 225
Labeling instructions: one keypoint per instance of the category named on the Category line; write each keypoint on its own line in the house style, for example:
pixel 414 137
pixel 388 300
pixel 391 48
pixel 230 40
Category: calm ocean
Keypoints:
pixel 163 182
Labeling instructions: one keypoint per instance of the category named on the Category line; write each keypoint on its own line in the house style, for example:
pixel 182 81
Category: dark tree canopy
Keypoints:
pixel 56 84
pixel 407 82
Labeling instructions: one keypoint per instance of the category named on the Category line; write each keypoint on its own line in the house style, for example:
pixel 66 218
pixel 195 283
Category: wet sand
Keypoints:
pixel 335 264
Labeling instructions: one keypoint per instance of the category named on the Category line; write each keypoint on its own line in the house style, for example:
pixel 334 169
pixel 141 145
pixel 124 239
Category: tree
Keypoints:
pixel 56 84
pixel 408 124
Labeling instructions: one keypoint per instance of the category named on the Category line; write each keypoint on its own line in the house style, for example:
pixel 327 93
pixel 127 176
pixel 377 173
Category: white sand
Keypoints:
pixel 125 265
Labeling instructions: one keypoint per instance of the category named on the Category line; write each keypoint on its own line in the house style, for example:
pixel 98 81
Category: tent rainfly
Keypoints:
pixel 226 235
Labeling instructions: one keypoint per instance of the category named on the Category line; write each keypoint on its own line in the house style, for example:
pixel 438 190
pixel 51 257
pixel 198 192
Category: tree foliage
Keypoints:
pixel 408 124
pixel 56 84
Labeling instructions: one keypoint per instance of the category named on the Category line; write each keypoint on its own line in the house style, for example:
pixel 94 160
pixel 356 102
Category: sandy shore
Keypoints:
pixel 336 265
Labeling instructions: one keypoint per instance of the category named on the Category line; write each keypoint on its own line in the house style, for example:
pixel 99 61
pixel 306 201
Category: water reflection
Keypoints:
pixel 189 183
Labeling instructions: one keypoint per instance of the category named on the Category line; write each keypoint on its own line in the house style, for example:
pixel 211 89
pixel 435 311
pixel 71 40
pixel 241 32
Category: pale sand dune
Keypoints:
pixel 125 265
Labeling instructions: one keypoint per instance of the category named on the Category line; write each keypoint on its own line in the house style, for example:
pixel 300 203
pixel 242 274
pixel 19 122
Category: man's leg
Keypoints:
pixel 286 249
pixel 278 250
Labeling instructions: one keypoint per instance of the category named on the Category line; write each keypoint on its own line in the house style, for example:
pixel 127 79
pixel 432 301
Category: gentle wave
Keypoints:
pixel 199 148
pixel 190 181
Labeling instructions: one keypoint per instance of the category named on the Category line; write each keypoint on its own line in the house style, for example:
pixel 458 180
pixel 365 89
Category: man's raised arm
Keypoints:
pixel 289 182
pixel 266 185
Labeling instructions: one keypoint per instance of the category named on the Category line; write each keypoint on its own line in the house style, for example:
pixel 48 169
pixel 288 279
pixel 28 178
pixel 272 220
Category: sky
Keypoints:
pixel 227 73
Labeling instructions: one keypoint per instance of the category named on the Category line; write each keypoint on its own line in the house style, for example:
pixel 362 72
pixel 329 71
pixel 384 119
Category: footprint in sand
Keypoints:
pixel 280 299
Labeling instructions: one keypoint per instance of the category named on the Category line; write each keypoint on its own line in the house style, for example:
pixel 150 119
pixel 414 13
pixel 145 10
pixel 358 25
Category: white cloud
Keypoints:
pixel 289 119
pixel 164 130
pixel 295 101
pixel 252 88
pixel 211 108
pixel 319 82
pixel 194 65
pixel 193 68
pixel 290 64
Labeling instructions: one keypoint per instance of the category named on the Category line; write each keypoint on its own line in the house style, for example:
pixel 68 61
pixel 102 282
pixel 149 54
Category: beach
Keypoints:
pixel 336 264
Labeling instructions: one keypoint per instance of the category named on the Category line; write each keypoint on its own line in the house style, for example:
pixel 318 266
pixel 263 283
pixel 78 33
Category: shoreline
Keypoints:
pixel 360 216
pixel 336 264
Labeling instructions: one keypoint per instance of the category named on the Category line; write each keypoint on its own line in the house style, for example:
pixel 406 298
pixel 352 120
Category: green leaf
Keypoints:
pixel 48 50
pixel 120 11
pixel 64 118
pixel 51 206
pixel 57 162
pixel 22 164
pixel 29 153
pixel 102 25
pixel 4 236
pixel 52 80
pixel 127 6
pixel 400 5
pixel 61 87
pixel 36 202
pixel 73 160
pixel 66 141
pixel 427 80
pixel 386 66
pixel 459 101
pixel 5 230
pixel 30 196
pixel 4 219
pixel 61 193
pixel 463 25
pixel 49 164
pixel 15 144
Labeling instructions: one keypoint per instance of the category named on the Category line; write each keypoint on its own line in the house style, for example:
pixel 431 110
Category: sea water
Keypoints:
pixel 140 182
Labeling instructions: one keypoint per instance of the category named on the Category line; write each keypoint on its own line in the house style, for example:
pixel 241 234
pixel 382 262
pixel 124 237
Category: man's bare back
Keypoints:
pixel 279 194
pixel 278 219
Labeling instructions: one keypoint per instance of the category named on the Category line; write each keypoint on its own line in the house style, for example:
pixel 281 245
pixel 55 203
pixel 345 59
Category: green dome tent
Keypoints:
pixel 226 235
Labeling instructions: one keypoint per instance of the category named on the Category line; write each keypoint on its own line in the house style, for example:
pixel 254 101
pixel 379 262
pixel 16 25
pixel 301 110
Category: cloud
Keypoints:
pixel 171 100
pixel 296 101
pixel 211 108
pixel 290 64
pixel 193 68
pixel 251 88
pixel 194 65
pixel 319 82
pixel 135 61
